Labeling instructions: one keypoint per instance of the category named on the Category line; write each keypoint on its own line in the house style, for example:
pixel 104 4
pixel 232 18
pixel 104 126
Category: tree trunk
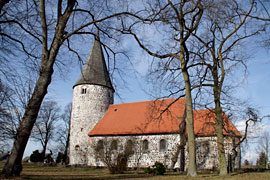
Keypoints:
pixel 182 157
pixel 219 121
pixel 266 152
pixel 229 169
pixel 175 157
pixel 43 154
pixel 184 58
pixel 192 170
pixel 220 140
pixel 234 153
pixel 183 142
pixel 181 147
pixel 13 166
pixel 2 4
pixel 180 150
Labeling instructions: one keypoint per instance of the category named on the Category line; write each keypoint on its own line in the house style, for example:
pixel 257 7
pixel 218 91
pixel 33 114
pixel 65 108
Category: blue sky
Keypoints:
pixel 255 89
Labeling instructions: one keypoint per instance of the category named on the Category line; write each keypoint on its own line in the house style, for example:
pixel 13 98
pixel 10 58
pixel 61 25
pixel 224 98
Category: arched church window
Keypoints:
pixel 162 145
pixel 114 145
pixel 83 90
pixel 129 150
pixel 145 146
pixel 100 146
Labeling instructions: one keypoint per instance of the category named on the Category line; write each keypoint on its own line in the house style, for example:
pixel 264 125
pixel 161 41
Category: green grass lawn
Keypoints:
pixel 35 171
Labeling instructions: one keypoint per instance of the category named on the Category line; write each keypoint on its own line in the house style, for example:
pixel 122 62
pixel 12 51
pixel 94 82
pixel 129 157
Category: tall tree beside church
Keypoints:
pixel 178 20
pixel 13 165
pixel 48 27
pixel 227 27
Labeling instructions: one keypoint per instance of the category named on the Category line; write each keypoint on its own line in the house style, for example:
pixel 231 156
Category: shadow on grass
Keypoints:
pixel 33 171
pixel 83 177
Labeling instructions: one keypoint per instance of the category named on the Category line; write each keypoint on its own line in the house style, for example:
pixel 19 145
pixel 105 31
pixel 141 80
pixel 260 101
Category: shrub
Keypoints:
pixel 157 169
pixel 148 170
pixel 60 157
pixel 111 155
pixel 36 156
pixel 246 162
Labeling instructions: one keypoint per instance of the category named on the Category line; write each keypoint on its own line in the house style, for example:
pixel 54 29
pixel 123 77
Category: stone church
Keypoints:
pixel 151 127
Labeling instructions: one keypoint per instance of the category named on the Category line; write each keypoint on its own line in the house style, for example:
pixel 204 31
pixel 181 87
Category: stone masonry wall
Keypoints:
pixel 87 110
pixel 206 151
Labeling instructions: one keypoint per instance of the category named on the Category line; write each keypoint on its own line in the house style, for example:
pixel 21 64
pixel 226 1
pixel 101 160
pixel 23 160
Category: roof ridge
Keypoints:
pixel 145 101
pixel 203 109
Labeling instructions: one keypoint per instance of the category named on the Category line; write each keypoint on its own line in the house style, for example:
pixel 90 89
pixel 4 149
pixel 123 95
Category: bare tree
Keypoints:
pixel 223 27
pixel 176 21
pixel 226 28
pixel 63 132
pixel 251 117
pixel 108 152
pixel 263 15
pixel 14 98
pixel 49 26
pixel 264 146
pixel 138 150
pixel 45 126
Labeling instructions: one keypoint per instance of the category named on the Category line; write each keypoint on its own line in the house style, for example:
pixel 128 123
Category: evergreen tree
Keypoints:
pixel 262 160
pixel 60 157
pixel 246 162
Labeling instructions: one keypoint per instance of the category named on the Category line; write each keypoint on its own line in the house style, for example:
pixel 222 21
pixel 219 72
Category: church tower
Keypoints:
pixel 92 95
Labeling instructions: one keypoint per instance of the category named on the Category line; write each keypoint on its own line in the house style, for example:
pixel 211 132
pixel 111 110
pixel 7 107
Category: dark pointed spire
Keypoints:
pixel 95 69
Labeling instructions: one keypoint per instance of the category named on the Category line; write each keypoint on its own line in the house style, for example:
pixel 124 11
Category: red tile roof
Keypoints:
pixel 153 117
pixel 205 123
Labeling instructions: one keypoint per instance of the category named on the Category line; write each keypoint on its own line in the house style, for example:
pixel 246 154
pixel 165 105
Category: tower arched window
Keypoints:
pixel 77 147
pixel 145 146
pixel 162 145
pixel 114 145
pixel 83 90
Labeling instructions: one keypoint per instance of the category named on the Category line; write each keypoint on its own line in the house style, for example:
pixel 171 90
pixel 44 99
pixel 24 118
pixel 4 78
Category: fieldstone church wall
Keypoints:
pixel 206 151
